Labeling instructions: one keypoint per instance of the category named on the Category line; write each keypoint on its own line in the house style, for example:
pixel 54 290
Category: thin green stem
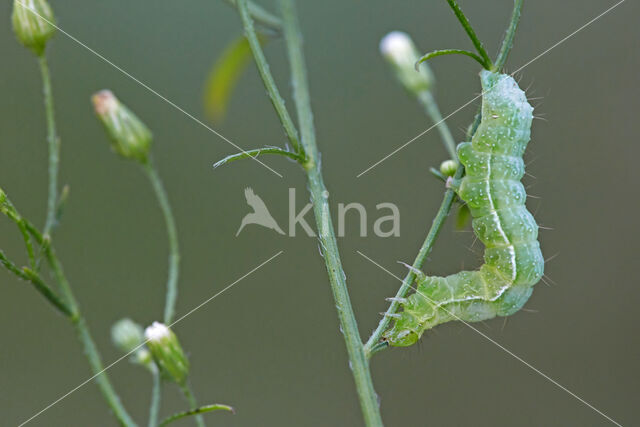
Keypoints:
pixel 156 396
pixel 470 32
pixel 172 234
pixel 374 344
pixel 258 152
pixel 507 43
pixel 54 146
pixel 320 201
pixel 431 108
pixel 267 78
pixel 193 404
pixel 261 16
pixel 82 331
pixel 443 52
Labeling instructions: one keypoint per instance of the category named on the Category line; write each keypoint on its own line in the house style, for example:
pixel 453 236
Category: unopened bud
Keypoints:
pixel 448 167
pixel 167 352
pixel 398 49
pixel 130 138
pixel 33 23
pixel 127 335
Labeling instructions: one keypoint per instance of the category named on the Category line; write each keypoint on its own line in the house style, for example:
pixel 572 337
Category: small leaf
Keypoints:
pixel 200 410
pixel 463 217
pixel 224 76
pixel 255 153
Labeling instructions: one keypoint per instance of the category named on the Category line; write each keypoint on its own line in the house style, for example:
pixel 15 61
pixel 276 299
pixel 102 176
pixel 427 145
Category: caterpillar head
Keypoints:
pixel 404 332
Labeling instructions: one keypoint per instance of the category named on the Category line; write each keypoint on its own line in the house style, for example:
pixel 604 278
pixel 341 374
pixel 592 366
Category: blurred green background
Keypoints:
pixel 271 345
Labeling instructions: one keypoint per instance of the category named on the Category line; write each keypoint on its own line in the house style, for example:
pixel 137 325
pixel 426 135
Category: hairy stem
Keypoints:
pixel 82 331
pixel 320 200
pixel 193 404
pixel 431 108
pixel 374 345
pixel 172 234
pixel 54 146
pixel 267 78
pixel 507 43
pixel 470 32
pixel 156 395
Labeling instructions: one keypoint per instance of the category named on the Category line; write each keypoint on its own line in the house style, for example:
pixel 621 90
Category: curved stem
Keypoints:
pixel 267 78
pixel 172 235
pixel 374 345
pixel 82 331
pixel 258 152
pixel 320 200
pixel 193 404
pixel 507 43
pixel 431 107
pixel 54 146
pixel 470 32
pixel 156 396
pixel 442 52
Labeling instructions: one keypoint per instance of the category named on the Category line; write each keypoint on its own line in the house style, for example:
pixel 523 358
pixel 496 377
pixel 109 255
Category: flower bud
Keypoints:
pixel 33 23
pixel 448 167
pixel 167 352
pixel 398 49
pixel 130 138
pixel 127 335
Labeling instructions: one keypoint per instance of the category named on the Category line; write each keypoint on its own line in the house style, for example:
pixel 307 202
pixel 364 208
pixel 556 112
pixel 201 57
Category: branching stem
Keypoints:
pixel 431 108
pixel 82 331
pixel 471 33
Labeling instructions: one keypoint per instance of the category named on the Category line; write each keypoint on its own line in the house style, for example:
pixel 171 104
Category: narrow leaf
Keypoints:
pixel 255 153
pixel 442 52
pixel 224 77
pixel 200 410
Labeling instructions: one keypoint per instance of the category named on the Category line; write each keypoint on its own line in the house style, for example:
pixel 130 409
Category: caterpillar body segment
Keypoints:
pixel 496 198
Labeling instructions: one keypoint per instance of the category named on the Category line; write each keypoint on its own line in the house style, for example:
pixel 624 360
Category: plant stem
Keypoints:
pixel 507 43
pixel 319 195
pixel 172 234
pixel 374 345
pixel 188 394
pixel 431 108
pixel 32 277
pixel 258 152
pixel 156 395
pixel 54 146
pixel 82 331
pixel 320 200
pixel 470 32
pixel 267 78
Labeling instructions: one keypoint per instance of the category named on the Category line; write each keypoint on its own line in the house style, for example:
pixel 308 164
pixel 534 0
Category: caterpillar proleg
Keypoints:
pixel 493 192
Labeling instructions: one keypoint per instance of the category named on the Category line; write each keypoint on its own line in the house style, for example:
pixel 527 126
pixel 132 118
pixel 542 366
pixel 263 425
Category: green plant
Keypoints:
pixel 157 349
pixel 419 83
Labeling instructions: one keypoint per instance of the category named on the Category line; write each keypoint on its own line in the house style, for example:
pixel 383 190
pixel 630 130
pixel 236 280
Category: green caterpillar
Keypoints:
pixel 496 197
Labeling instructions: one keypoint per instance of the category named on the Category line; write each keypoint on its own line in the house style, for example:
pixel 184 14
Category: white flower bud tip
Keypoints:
pixel 156 332
pixel 397 47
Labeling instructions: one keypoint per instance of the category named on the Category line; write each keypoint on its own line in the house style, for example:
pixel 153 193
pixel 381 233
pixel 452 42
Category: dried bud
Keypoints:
pixel 448 167
pixel 127 335
pixel 33 23
pixel 130 138
pixel 398 49
pixel 167 352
